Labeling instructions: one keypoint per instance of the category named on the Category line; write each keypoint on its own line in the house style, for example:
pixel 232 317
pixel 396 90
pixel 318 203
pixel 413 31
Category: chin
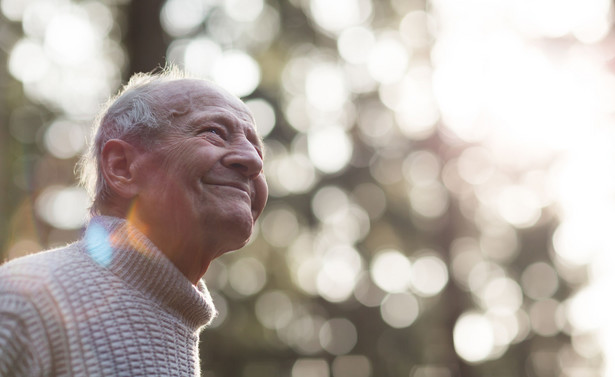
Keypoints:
pixel 235 246
pixel 240 231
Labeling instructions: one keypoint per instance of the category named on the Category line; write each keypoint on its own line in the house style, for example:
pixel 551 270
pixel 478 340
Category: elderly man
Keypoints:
pixel 176 169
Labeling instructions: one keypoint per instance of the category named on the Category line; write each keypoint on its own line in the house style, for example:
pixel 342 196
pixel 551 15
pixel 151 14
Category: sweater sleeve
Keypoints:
pixel 16 348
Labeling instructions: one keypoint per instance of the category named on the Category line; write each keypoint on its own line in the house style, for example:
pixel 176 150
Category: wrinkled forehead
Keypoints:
pixel 183 97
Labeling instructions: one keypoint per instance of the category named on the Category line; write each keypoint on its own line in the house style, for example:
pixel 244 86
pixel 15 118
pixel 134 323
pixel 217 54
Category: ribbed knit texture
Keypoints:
pixel 109 305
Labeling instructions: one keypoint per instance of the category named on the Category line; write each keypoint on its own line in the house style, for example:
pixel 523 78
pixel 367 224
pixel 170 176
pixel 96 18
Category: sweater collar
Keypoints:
pixel 115 244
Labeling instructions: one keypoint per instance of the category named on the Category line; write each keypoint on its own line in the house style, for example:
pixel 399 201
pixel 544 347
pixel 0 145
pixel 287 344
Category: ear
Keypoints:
pixel 118 163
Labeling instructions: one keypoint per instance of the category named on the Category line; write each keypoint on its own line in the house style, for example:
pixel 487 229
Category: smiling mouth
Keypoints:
pixel 235 186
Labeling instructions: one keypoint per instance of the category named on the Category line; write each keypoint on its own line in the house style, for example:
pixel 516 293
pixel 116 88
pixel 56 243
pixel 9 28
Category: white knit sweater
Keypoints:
pixel 109 305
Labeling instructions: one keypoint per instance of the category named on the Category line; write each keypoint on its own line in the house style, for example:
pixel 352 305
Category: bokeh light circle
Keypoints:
pixel 329 148
pixel 391 270
pixel 63 207
pixel 28 61
pixel 399 310
pixel 473 337
pixel 338 336
pixel 237 72
pixel 429 275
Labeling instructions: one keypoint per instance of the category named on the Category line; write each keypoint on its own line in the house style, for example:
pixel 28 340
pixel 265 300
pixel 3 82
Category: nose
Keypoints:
pixel 244 157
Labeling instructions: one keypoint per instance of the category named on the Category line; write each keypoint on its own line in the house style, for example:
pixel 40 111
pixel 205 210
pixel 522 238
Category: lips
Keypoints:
pixel 236 185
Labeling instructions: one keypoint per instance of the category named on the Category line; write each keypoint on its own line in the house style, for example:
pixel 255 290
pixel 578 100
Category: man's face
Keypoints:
pixel 203 187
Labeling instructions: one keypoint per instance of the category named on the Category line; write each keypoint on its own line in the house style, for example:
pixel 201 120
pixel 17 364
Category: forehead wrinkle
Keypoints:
pixel 179 99
pixel 196 95
pixel 172 99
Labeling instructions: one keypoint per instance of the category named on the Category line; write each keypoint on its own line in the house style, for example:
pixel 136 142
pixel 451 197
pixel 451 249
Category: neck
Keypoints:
pixel 191 260
pixel 112 208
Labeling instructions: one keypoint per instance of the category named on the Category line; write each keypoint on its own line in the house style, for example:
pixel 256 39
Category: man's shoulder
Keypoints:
pixel 38 267
pixel 57 253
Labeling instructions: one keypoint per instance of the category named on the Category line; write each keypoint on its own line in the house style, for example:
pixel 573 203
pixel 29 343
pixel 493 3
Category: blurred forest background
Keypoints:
pixel 441 173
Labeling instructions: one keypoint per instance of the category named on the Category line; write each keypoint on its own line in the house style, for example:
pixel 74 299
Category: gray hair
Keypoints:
pixel 135 115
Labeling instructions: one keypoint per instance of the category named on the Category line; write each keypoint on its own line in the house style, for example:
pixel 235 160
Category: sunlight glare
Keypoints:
pixel 335 16
pixel 237 72
pixel 391 270
pixel 519 206
pixel 354 44
pixel 399 309
pixel 476 165
pixel 388 59
pixel 329 148
pixel 325 87
pixel 417 28
pixel 181 17
pixel 429 275
pixel 97 244
pixel 584 19
pixel 413 101
pixel 340 271
pixel 65 139
pixel 264 115
pixel 294 172
pixel 63 207
pixel 473 337
pixel 37 17
pixel 14 9
pixel 200 56
pixel 70 39
pixel 588 310
pixel 243 10
pixel 28 62
pixel 501 293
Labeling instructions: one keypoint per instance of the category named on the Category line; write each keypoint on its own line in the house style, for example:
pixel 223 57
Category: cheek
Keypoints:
pixel 181 159
pixel 186 168
pixel 262 192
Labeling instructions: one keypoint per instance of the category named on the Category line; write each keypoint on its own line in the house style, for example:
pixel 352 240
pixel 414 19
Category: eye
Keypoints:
pixel 212 130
